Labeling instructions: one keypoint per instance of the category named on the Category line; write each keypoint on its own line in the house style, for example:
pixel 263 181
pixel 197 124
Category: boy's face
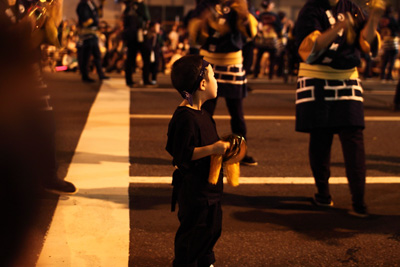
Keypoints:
pixel 211 84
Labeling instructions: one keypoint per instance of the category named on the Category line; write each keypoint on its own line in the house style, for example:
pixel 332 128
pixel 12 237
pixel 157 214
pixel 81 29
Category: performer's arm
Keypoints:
pixel 317 42
pixel 369 31
pixel 246 23
pixel 327 37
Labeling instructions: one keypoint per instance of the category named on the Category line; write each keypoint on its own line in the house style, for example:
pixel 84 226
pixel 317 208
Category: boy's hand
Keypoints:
pixel 220 147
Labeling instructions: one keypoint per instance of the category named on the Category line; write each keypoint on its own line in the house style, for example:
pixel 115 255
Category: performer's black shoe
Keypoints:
pixel 131 85
pixel 359 211
pixel 59 186
pixel 395 107
pixel 104 78
pixel 322 202
pixel 88 80
pixel 248 161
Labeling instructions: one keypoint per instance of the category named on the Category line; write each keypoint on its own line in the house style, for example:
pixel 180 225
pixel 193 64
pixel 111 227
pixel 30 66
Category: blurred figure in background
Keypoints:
pixel 155 42
pixel 27 158
pixel 389 30
pixel 248 47
pixel 136 18
pixel 270 30
pixel 396 106
pixel 88 44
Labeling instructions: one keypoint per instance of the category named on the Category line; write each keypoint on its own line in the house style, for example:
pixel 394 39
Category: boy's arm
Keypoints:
pixel 218 148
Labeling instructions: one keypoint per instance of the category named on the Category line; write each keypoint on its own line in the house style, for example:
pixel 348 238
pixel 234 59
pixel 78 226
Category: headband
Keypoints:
pixel 189 96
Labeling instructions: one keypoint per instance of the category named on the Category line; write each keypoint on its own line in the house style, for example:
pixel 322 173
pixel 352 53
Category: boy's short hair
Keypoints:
pixel 185 72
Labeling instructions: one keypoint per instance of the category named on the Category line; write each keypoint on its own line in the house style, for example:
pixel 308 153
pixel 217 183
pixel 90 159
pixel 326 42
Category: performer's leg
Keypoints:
pixel 260 53
pixel 84 62
pixel 235 108
pixel 392 59
pixel 397 98
pixel 130 63
pixel 320 157
pixel 145 51
pixel 352 140
pixel 384 62
pixel 97 58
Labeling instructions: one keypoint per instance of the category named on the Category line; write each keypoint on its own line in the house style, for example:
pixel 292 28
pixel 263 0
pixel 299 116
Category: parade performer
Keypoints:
pixel 192 139
pixel 330 35
pixel 88 43
pixel 136 18
pixel 27 159
pixel 270 30
pixel 221 28
pixel 389 30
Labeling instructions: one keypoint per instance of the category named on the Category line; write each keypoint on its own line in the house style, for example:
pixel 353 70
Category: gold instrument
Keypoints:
pixel 44 14
pixel 373 6
pixel 231 160
pixel 39 12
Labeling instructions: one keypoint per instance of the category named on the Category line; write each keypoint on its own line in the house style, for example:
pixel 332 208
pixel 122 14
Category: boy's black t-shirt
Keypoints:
pixel 188 129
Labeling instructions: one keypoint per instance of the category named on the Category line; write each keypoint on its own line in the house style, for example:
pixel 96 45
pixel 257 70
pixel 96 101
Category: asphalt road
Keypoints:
pixel 264 224
pixel 271 224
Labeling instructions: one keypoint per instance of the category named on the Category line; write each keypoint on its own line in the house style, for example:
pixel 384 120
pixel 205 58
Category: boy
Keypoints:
pixel 192 138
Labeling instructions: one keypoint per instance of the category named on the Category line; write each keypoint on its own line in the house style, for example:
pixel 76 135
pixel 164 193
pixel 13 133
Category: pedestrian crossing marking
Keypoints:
pixel 260 117
pixel 255 91
pixel 91 228
pixel 271 180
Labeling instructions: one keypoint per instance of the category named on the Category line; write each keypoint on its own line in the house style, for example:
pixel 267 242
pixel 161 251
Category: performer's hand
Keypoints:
pixel 377 8
pixel 241 8
pixel 377 5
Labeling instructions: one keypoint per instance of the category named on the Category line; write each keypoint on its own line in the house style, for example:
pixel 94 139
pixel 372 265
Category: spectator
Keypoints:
pixel 136 17
pixel 155 43
pixel 389 30
pixel 70 61
pixel 270 29
pixel 173 36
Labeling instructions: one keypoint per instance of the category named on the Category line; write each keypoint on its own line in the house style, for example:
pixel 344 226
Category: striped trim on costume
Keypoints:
pixel 334 90
pixel 231 74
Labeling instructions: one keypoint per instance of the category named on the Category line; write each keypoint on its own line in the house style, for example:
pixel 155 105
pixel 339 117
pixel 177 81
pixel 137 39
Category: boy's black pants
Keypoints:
pixel 352 141
pixel 200 227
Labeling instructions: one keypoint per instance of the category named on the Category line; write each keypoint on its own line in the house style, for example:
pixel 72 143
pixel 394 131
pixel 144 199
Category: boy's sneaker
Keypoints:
pixel 248 161
pixel 320 202
pixel 360 212
pixel 59 186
